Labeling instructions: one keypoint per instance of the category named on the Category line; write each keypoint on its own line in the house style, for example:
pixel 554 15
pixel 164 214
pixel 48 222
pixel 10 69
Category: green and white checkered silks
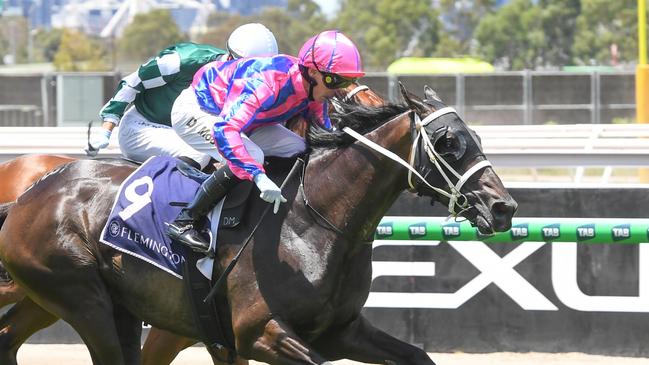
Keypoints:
pixel 158 82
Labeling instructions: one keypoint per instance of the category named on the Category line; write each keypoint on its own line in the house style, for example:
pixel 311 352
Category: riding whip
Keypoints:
pixel 234 261
pixel 90 149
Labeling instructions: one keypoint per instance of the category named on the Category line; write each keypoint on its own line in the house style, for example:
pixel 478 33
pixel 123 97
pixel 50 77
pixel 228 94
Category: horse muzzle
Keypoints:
pixel 495 216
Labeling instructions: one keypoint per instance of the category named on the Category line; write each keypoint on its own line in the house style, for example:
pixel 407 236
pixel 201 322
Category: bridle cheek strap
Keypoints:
pixel 385 152
pixel 434 157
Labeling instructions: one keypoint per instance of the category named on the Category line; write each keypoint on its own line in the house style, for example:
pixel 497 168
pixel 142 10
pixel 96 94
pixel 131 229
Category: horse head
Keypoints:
pixel 452 168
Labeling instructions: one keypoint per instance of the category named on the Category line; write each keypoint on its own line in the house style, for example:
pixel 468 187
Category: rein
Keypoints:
pixel 311 209
pixel 455 194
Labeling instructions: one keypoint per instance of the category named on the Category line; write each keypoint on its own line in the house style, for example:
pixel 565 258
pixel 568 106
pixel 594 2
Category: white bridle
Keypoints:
pixel 454 195
pixel 355 91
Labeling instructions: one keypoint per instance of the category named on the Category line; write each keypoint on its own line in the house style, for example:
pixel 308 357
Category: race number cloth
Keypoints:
pixel 136 224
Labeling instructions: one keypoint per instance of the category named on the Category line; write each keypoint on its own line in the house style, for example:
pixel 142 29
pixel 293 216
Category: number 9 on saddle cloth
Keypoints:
pixel 154 194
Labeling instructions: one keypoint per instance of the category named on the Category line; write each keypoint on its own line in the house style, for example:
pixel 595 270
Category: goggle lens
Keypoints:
pixel 334 81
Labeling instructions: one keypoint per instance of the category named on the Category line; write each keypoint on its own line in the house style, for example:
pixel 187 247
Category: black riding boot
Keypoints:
pixel 183 229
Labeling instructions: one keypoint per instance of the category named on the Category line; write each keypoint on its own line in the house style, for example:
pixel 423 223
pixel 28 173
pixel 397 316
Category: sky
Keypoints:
pixel 328 7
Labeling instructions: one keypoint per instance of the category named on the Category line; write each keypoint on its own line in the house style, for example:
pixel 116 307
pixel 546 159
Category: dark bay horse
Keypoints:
pixel 297 292
pixel 16 175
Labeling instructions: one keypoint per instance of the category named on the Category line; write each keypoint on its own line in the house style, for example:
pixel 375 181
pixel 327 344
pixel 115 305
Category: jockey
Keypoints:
pixel 239 107
pixel 145 130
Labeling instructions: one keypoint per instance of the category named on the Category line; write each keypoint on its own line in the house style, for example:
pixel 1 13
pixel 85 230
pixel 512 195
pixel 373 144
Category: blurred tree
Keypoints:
pixel 459 20
pixel 512 38
pixel 78 52
pixel 603 24
pixel 220 25
pixel 386 30
pixel 292 26
pixel 450 46
pixel 559 19
pixel 147 35
pixel 13 39
pixel 305 20
pixel 46 44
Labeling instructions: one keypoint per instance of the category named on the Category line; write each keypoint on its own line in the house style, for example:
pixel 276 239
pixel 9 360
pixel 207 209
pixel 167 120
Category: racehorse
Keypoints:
pixel 161 346
pixel 15 176
pixel 296 295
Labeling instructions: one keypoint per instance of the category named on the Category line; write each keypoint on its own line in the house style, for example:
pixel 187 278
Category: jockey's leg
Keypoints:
pixel 194 126
pixel 140 139
pixel 183 229
pixel 211 191
pixel 277 140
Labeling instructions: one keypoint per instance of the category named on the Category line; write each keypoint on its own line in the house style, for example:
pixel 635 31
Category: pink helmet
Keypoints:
pixel 331 51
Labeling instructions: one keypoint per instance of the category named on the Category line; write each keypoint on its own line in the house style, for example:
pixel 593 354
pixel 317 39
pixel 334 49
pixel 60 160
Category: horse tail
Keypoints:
pixel 4 211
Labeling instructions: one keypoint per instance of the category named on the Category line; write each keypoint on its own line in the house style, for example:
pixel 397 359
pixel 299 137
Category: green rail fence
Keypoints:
pixel 583 230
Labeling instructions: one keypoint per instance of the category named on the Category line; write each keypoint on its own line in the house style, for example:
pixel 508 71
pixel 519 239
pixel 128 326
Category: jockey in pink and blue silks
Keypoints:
pixel 240 107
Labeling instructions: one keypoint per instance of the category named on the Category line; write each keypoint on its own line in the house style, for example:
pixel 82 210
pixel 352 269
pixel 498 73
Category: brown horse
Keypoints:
pixel 297 293
pixel 161 346
pixel 16 175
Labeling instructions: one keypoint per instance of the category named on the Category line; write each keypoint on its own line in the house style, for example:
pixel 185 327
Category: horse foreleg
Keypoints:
pixel 278 345
pixel 360 341
pixel 18 324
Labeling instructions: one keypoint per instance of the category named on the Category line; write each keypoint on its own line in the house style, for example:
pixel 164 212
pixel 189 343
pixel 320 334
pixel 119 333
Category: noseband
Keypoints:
pixel 455 196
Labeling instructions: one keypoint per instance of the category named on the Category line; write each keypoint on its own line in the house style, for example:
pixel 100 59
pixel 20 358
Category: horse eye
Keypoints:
pixel 450 146
pixel 446 144
pixel 449 143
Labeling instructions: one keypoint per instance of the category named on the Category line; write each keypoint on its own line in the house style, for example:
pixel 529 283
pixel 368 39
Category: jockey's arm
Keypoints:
pixel 156 72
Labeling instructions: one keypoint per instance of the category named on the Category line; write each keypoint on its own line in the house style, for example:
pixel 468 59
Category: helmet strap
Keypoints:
pixel 312 82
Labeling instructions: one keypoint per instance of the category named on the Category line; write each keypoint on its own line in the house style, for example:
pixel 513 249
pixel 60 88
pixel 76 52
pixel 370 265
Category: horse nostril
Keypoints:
pixel 503 211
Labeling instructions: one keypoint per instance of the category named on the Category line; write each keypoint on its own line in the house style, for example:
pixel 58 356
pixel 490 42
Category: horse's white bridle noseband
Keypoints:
pixel 433 156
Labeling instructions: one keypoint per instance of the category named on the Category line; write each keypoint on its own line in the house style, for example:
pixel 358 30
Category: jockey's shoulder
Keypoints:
pixel 193 52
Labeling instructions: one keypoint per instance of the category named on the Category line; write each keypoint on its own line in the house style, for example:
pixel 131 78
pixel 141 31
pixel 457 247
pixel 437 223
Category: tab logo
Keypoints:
pixel 585 232
pixel 520 231
pixel 551 232
pixel 621 232
pixel 451 230
pixel 417 230
pixel 384 230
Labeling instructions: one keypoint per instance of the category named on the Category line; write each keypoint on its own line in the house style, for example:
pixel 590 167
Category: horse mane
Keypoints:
pixel 361 118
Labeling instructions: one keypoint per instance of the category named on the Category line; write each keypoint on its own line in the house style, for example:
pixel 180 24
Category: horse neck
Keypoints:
pixel 358 185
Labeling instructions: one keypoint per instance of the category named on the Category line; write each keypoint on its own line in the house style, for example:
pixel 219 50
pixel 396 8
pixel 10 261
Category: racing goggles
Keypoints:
pixel 335 81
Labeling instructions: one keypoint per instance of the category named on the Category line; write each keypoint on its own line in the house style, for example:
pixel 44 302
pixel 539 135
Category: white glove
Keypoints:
pixel 270 192
pixel 97 141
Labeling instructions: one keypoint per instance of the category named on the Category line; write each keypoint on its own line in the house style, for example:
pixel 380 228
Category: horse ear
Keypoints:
pixel 413 101
pixel 431 94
